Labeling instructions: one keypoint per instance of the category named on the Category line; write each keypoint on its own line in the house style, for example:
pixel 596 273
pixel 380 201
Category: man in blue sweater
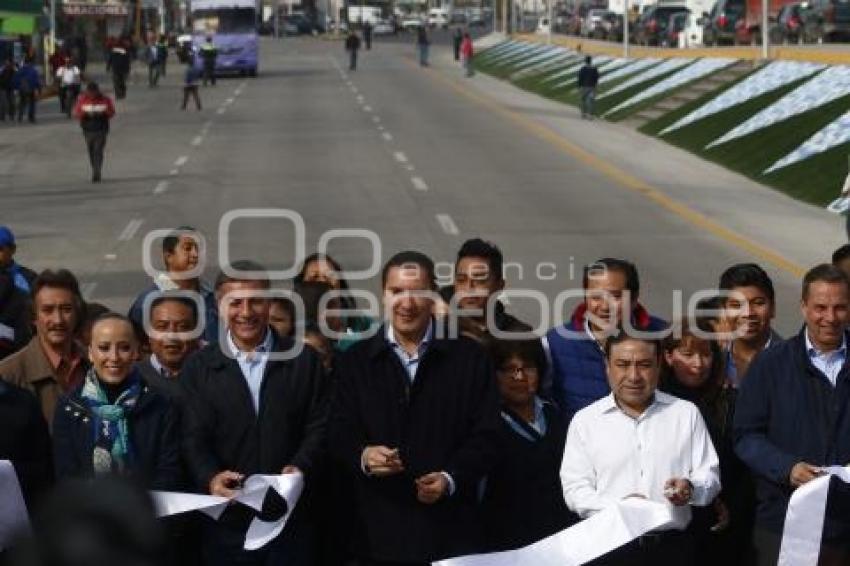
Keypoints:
pixel 578 377
pixel 792 418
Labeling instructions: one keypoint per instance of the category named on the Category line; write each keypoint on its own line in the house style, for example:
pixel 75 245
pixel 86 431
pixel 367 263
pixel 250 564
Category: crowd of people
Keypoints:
pixel 419 443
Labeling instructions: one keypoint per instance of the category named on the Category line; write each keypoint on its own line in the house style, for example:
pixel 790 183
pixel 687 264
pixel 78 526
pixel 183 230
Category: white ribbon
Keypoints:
pixel 596 536
pixel 14 520
pixel 260 533
pixel 801 536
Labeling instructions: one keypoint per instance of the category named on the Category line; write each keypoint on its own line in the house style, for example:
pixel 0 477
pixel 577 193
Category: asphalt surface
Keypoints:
pixel 424 158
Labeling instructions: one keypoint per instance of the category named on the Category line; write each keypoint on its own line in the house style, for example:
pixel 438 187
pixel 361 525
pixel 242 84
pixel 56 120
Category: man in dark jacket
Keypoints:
pixel 7 90
pixel 94 110
pixel 352 45
pixel 15 317
pixel 253 409
pixel 792 418
pixel 24 441
pixel 578 376
pixel 367 35
pixel 478 279
pixel 414 423
pixel 119 64
pixel 588 78
pixel 457 39
pixel 28 84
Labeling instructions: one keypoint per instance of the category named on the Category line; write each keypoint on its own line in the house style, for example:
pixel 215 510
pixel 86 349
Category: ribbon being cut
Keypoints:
pixel 804 521
pixel 594 537
pixel 253 494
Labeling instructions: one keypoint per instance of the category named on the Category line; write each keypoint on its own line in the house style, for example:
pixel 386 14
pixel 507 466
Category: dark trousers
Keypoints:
pixel 191 91
pixel 96 143
pixel 67 97
pixel 670 548
pixel 26 103
pixel 119 83
pixel 456 47
pixel 7 105
pixel 223 546
pixel 368 39
pixel 209 73
pixel 352 60
pixel 154 71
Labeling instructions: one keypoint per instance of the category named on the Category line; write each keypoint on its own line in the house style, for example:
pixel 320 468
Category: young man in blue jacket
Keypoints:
pixel 578 377
pixel 792 417
pixel 28 84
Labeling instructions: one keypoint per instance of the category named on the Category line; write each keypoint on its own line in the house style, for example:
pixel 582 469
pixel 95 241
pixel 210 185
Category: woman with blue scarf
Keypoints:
pixel 113 423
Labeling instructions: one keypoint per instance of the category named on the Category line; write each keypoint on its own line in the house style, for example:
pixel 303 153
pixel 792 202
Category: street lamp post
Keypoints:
pixel 765 31
pixel 626 29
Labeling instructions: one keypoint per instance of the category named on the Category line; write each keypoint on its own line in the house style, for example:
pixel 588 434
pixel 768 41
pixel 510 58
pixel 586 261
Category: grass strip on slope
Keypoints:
pixel 815 180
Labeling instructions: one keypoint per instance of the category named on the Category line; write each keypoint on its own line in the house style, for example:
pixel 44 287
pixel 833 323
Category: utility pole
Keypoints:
pixel 626 29
pixel 551 21
pixel 765 30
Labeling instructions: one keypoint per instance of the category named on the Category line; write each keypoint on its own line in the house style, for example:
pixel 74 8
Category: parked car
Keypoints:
pixel 675 26
pixel 788 27
pixel 592 21
pixel 438 18
pixel 651 28
pixel 719 25
pixel 826 20
pixel 693 31
pixel 383 27
pixel 410 23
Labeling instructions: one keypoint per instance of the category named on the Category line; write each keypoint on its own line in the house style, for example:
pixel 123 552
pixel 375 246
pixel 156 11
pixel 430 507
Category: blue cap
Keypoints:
pixel 6 237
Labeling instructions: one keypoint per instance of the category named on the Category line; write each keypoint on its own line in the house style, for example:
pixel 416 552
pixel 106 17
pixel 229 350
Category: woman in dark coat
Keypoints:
pixel 693 370
pixel 113 423
pixel 523 500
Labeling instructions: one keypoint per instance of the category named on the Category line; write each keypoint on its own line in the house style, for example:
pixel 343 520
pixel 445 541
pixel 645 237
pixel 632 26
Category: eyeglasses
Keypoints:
pixel 518 372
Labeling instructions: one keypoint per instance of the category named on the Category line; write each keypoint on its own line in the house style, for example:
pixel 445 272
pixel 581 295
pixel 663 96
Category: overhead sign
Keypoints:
pixel 91 9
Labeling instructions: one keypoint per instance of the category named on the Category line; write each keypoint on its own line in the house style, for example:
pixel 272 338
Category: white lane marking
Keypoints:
pixel 110 257
pixel 360 98
pixel 367 108
pixel 411 168
pixel 388 137
pixel 174 172
pixel 400 157
pixel 197 141
pixel 221 111
pixel 376 119
pixel 381 128
pixel 181 161
pixel 419 183
pixel 447 224
pixel 229 101
pixel 87 290
pixel 160 187
pixel 130 230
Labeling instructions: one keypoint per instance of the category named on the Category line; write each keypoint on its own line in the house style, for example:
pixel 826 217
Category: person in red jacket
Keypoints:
pixel 94 110
pixel 466 53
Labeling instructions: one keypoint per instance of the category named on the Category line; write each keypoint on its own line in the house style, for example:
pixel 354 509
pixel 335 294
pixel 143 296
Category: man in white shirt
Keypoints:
pixel 70 79
pixel 640 442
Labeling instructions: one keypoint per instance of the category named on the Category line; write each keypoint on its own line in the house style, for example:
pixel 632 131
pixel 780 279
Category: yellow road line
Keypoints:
pixel 595 47
pixel 629 181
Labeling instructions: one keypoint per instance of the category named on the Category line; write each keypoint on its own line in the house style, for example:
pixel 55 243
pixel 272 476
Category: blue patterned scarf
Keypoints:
pixel 111 436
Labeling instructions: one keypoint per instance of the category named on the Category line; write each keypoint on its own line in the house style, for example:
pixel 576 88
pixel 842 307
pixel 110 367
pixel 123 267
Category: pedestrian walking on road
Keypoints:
pixel 152 56
pixel 28 84
pixel 457 40
pixel 352 45
pixel 94 110
pixel 69 76
pixel 162 54
pixel 466 53
pixel 588 78
pixel 367 35
pixel 119 64
pixel 7 90
pixel 422 44
pixel 190 85
pixel 209 54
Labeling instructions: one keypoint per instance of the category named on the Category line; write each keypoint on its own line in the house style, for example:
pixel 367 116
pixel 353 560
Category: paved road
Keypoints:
pixel 424 158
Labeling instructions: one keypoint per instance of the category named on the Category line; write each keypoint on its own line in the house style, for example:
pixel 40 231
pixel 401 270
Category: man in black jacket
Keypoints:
pixel 352 45
pixel 251 411
pixel 792 417
pixel 588 78
pixel 414 422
